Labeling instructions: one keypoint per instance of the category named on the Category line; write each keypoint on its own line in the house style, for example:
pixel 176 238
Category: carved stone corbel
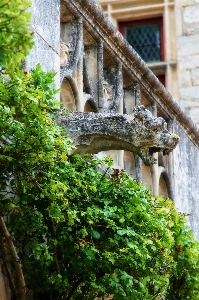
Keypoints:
pixel 140 133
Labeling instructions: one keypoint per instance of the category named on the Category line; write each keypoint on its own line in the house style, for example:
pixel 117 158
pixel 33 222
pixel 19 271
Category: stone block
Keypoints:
pixel 192 30
pixel 181 3
pixel 193 113
pixel 190 14
pixel 188 63
pixel 190 104
pixel 185 79
pixel 190 94
pixel 195 76
pixel 185 45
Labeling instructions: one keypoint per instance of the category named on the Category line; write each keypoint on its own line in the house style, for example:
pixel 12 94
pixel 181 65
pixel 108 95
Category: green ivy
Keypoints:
pixel 81 232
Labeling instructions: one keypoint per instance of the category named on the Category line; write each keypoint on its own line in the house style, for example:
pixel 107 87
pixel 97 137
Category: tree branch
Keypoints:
pixel 55 248
pixel 75 286
pixel 7 270
pixel 16 260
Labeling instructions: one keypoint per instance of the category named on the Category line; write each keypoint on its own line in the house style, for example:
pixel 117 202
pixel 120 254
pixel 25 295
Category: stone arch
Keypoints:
pixel 87 107
pixel 68 94
pixel 165 187
pixel 163 191
pixel 90 106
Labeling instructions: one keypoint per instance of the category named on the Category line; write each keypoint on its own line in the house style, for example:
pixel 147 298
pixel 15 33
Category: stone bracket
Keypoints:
pixel 141 133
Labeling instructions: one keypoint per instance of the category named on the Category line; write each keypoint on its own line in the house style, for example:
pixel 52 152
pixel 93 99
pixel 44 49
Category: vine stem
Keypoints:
pixel 15 257
pixel 55 248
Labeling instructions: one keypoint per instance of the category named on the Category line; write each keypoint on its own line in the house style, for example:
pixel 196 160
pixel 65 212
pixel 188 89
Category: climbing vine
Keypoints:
pixel 71 227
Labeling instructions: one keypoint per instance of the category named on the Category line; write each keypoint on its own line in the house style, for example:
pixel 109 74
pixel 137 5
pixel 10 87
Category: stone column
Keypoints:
pixel 154 167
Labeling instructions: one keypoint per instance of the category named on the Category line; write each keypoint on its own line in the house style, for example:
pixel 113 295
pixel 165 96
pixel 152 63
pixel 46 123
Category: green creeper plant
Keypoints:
pixel 71 227
pixel 15 38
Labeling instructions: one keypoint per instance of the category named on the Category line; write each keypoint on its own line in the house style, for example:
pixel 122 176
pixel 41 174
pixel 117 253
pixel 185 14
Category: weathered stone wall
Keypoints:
pixel 185 176
pixel 187 26
pixel 46 29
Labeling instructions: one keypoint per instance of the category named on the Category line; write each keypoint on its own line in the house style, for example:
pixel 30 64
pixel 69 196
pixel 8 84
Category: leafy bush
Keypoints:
pixel 81 232
pixel 15 38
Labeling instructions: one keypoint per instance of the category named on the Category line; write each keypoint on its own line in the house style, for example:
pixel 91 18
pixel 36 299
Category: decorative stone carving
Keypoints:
pixel 140 133
pixel 64 53
pixel 71 35
pixel 106 93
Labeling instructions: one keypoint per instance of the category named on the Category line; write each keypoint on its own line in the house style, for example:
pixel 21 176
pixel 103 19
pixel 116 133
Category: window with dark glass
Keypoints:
pixel 146 37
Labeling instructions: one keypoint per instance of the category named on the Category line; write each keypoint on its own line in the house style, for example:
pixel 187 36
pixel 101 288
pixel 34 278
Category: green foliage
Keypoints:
pixel 81 232
pixel 15 39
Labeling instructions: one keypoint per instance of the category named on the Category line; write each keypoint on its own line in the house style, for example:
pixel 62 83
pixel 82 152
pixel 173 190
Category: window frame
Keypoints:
pixel 123 25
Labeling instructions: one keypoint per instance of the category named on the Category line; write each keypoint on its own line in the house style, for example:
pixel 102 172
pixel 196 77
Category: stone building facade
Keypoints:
pixel 99 73
pixel 180 42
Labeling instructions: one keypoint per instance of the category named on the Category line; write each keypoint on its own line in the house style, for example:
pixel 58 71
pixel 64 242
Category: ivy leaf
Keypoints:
pixel 89 254
pixel 55 212
pixel 95 234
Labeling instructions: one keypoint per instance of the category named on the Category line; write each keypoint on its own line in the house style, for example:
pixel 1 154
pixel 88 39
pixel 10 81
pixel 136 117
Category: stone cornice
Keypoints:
pixel 96 22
